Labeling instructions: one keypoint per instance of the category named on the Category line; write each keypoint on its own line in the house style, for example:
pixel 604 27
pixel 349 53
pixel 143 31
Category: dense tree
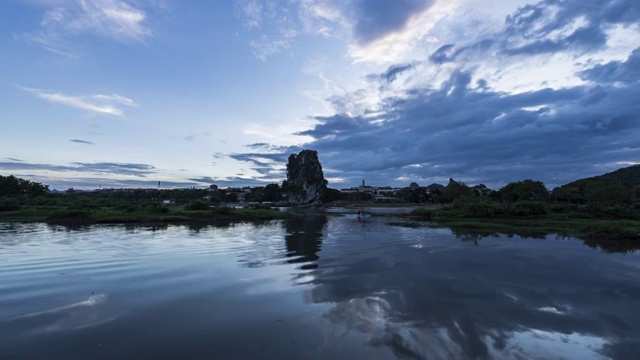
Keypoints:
pixel 14 186
pixel 568 194
pixel 230 197
pixel 255 194
pixel 595 189
pixel 332 195
pixel 456 190
pixel 526 190
pixel 272 193
pixel 482 191
pixel 604 192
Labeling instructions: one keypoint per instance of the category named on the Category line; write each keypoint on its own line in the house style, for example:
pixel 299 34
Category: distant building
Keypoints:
pixel 377 193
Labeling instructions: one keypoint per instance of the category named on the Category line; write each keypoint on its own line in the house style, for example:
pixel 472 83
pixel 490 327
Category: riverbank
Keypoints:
pixel 57 215
pixel 607 233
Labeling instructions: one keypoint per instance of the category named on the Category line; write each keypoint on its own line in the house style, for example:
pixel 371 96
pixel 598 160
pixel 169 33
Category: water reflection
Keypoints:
pixel 498 301
pixel 304 239
pixel 608 244
pixel 245 290
pixel 78 315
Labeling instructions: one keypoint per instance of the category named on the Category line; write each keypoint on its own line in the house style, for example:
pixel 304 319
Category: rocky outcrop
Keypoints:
pixel 305 182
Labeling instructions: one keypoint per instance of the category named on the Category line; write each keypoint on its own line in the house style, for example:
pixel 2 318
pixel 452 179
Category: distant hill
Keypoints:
pixel 613 183
pixel 629 176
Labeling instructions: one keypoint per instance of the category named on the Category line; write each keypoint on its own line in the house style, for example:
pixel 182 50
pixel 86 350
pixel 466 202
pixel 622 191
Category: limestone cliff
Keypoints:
pixel 305 182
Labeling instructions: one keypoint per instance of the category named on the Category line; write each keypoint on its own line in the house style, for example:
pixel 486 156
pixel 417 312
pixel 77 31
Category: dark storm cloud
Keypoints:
pixel 482 136
pixel 450 52
pixel 529 30
pixel 586 38
pixel 393 71
pixel 616 71
pixel 478 134
pixel 267 160
pixel 140 170
pixel 373 19
pixel 473 133
pixel 78 141
pixel 444 54
pixel 534 29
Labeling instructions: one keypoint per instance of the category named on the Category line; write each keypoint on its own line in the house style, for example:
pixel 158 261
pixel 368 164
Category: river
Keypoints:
pixel 322 287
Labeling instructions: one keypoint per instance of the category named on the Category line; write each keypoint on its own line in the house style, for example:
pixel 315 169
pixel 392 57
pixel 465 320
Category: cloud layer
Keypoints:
pixel 98 104
pixel 62 22
pixel 550 96
pixel 100 168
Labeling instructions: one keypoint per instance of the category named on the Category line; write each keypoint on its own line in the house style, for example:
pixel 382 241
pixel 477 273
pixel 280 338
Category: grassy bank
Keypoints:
pixel 108 215
pixel 351 205
pixel 607 233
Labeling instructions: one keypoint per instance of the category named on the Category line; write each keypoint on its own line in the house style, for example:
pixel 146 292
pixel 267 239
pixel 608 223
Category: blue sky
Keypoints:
pixel 125 93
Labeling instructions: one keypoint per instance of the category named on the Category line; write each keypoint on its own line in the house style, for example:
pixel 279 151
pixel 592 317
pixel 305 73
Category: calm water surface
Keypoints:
pixel 314 288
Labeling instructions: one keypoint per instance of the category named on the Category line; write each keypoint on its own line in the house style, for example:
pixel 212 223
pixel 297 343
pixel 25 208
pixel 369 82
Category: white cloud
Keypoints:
pixel 267 46
pixel 252 11
pixel 125 21
pixel 282 134
pixel 274 24
pixel 97 104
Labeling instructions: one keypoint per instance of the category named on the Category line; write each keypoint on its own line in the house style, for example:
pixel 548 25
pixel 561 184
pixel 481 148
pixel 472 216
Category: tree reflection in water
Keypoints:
pixel 505 298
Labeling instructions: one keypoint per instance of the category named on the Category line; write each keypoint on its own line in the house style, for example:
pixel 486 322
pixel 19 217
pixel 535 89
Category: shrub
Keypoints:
pixel 197 205
pixel 621 212
pixel 222 210
pixel 131 208
pixel 70 215
pixel 484 208
pixel 528 208
pixel 473 206
pixel 563 208
pixel 86 203
pixel 159 208
pixel 260 207
pixel 9 204
pixel 422 212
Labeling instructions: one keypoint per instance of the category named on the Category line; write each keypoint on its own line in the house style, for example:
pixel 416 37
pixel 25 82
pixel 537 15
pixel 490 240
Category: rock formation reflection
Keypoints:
pixel 304 240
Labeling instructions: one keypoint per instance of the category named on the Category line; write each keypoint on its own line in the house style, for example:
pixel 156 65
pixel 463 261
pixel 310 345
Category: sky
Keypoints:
pixel 126 93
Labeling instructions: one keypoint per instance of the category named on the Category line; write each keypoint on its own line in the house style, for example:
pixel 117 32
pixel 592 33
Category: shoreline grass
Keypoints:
pixel 57 215
pixel 600 232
